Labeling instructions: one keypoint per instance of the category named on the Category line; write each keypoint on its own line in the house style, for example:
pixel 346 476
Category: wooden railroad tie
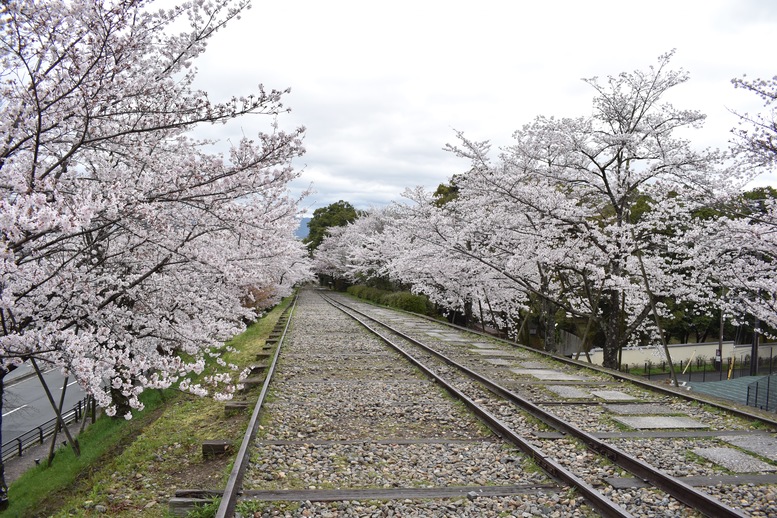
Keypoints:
pixel 182 506
pixel 256 370
pixel 234 407
pixel 251 382
pixel 215 448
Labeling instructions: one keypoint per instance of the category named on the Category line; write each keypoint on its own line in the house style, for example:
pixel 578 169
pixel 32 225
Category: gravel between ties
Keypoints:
pixel 348 412
pixel 669 455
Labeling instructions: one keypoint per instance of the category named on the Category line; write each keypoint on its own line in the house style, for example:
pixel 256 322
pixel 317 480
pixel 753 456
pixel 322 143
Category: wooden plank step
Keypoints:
pixel 181 506
pixel 252 382
pixel 215 448
pixel 256 370
pixel 231 407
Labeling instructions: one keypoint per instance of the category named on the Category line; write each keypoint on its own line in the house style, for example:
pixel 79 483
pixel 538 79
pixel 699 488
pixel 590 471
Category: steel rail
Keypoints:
pixel 235 482
pixel 683 492
pixel 670 390
pixel 604 505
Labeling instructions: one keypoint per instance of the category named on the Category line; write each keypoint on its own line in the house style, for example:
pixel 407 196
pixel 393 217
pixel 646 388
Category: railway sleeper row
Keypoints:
pixel 680 487
pixel 435 426
pixel 606 493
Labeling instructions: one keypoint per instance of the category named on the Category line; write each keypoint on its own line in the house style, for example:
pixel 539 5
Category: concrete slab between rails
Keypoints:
pixel 569 391
pixel 760 444
pixel 400 493
pixel 613 395
pixel 628 483
pixel 482 345
pixel 734 460
pixel 447 336
pixel 640 409
pixel 659 434
pixel 418 325
pixel 496 353
pixel 588 383
pixel 654 422
pixel 548 374
pixel 535 365
pixel 500 361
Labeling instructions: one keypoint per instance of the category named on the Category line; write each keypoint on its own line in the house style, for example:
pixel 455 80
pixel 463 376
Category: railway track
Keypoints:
pixel 356 427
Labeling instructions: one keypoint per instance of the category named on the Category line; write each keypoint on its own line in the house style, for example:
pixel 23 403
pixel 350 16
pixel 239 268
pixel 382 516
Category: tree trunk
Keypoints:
pixel 612 332
pixel 467 312
pixel 121 401
pixel 549 318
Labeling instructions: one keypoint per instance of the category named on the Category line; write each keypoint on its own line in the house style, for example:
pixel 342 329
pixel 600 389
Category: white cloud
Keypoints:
pixel 381 86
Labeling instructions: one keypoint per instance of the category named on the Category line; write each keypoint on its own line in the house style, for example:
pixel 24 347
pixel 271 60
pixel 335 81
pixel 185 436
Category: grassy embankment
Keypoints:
pixel 132 468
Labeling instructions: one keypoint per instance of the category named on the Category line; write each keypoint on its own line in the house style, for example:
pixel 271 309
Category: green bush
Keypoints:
pixel 397 299
pixel 356 291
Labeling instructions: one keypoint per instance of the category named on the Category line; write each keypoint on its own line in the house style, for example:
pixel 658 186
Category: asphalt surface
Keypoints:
pixel 25 404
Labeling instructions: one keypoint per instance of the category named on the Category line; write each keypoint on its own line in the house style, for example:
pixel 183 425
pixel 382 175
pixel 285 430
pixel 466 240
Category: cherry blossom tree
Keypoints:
pixel 127 244
pixel 352 251
pixel 734 256
pixel 419 246
pixel 756 135
pixel 735 248
pixel 563 211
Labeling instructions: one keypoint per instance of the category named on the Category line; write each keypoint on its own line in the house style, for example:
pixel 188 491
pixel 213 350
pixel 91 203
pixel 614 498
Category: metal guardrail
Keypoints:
pixel 15 447
pixel 763 393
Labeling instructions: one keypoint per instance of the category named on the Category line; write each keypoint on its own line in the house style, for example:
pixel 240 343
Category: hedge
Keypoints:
pixel 396 299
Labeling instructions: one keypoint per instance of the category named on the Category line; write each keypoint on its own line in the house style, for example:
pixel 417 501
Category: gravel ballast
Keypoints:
pixel 346 411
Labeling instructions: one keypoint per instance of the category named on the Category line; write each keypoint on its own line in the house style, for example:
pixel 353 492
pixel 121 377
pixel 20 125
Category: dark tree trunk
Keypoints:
pixel 467 313
pixel 549 321
pixel 122 403
pixel 612 332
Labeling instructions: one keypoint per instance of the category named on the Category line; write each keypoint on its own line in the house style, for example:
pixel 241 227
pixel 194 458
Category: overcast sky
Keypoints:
pixel 382 86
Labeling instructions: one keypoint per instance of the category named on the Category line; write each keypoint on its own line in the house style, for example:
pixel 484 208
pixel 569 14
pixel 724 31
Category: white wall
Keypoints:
pixel 637 356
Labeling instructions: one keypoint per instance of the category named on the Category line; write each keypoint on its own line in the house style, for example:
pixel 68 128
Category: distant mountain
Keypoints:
pixel 302 230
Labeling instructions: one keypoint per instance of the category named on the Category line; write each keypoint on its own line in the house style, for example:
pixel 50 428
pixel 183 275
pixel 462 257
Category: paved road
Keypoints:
pixel 25 404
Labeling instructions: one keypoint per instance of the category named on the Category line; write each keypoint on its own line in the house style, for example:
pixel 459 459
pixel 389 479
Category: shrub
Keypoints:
pixel 398 299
